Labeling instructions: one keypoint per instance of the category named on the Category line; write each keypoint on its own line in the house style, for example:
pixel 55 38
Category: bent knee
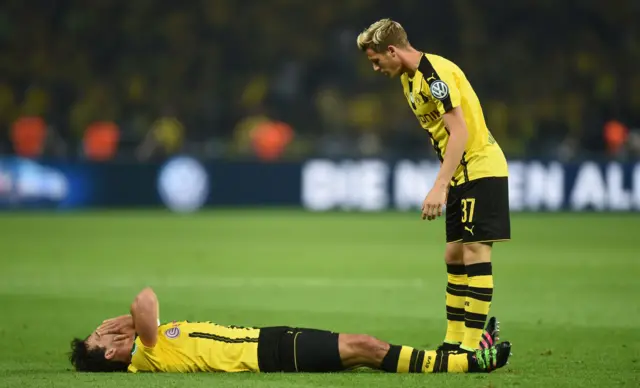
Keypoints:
pixel 363 344
pixel 454 254
pixel 477 253
pixel 362 349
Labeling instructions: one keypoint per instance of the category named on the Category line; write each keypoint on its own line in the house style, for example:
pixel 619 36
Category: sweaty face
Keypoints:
pixel 386 62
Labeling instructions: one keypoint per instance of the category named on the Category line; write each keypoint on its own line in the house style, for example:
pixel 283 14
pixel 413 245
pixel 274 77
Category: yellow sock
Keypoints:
pixel 405 359
pixel 478 302
pixel 444 362
pixel 456 297
pixel 458 363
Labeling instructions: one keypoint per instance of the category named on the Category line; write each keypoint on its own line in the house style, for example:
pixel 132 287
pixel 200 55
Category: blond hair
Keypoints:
pixel 381 34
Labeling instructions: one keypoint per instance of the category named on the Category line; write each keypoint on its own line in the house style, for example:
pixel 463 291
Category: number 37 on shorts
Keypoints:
pixel 478 211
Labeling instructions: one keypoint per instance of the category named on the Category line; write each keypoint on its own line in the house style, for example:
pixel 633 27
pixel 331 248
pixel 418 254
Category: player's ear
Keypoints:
pixel 110 353
pixel 392 50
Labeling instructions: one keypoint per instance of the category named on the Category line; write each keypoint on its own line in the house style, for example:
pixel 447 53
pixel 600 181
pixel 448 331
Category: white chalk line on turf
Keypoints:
pixel 212 282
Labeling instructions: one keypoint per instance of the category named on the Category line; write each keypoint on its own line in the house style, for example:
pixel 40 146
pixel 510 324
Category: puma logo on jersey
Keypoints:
pixel 469 229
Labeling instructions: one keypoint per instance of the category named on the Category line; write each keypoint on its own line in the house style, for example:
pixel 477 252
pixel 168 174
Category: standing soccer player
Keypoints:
pixel 472 180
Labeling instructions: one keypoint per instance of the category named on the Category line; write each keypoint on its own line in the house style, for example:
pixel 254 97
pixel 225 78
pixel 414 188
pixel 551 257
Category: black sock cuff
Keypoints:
pixel 390 361
pixel 456 269
pixel 479 269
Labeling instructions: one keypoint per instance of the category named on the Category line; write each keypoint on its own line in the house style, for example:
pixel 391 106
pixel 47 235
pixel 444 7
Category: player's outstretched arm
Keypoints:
pixel 454 120
pixel 437 197
pixel 144 311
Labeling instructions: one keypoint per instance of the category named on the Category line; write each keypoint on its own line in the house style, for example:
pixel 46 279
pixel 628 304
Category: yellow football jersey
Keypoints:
pixel 437 87
pixel 198 347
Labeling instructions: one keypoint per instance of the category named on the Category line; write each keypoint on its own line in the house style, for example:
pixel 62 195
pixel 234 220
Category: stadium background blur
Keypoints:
pixel 550 76
pixel 262 103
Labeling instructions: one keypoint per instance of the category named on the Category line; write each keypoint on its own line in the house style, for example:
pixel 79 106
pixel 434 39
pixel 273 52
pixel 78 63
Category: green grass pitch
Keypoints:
pixel 566 290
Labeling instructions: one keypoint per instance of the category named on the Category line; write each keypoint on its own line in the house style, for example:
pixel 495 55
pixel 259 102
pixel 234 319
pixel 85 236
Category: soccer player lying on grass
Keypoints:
pixel 136 343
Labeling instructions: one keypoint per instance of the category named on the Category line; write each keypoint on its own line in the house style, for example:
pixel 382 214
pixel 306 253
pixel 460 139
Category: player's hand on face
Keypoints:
pixel 434 202
pixel 121 338
pixel 118 325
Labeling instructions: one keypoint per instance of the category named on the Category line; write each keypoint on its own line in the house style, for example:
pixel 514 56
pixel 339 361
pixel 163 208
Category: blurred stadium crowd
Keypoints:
pixel 274 79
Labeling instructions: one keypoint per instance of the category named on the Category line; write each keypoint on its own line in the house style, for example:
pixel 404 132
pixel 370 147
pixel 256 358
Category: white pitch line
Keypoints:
pixel 212 282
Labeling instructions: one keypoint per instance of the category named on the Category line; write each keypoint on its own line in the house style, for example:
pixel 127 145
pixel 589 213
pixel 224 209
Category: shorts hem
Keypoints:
pixel 486 241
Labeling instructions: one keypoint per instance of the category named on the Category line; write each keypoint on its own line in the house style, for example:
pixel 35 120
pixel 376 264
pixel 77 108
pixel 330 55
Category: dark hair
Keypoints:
pixel 92 360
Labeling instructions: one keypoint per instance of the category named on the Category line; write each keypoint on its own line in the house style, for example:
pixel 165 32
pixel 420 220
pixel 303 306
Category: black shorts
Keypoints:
pixel 478 211
pixel 288 349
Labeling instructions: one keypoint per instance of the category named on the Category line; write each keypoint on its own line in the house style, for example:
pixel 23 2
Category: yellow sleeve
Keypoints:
pixel 139 361
pixel 441 83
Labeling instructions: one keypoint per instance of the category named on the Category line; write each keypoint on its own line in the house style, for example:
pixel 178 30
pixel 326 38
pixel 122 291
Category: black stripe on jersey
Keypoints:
pixel 227 326
pixel 465 169
pixel 241 327
pixel 463 163
pixel 411 100
pixel 220 338
pixel 431 75
pixel 426 98
pixel 436 147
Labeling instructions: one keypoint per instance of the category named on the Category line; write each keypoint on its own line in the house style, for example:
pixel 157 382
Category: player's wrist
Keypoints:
pixel 441 183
